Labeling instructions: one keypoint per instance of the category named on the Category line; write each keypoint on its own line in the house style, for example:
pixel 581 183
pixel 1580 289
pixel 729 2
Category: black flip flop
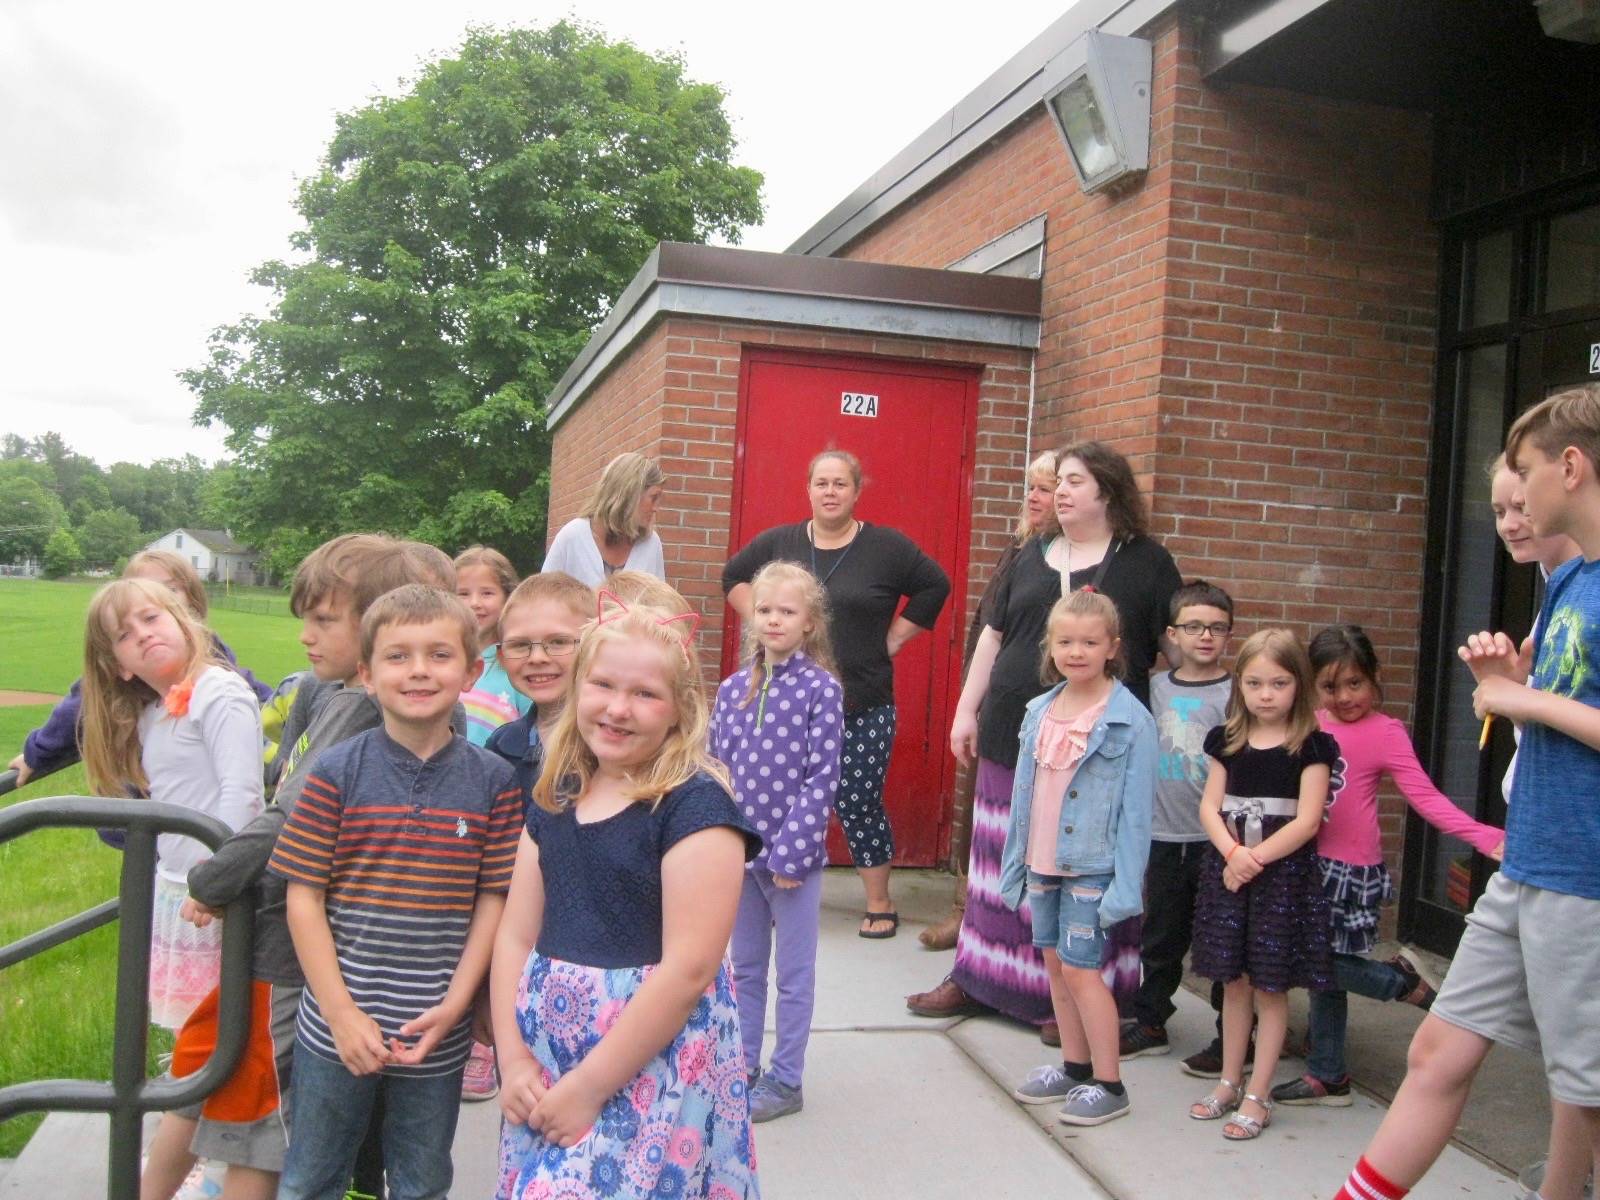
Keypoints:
pixel 894 925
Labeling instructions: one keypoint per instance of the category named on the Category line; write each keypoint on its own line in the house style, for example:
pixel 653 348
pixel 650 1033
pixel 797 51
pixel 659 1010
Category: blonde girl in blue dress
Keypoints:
pixel 622 1073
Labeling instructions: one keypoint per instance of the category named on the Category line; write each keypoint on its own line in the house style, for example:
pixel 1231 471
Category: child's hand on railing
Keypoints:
pixel 197 914
pixel 19 764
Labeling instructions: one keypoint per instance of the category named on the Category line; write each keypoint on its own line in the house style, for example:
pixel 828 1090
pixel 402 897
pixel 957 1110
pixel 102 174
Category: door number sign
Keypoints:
pixel 1594 359
pixel 859 404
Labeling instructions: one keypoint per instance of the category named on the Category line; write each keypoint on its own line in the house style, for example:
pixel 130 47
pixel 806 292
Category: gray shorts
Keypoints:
pixel 1527 974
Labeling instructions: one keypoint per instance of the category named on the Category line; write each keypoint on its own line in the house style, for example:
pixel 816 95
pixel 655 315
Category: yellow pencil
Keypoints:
pixel 1483 737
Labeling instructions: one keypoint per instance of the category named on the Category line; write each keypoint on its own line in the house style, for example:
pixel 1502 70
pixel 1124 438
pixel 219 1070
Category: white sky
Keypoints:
pixel 149 153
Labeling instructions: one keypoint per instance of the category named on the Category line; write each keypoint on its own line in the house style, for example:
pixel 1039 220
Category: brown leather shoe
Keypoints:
pixel 946 1000
pixel 943 935
pixel 1050 1033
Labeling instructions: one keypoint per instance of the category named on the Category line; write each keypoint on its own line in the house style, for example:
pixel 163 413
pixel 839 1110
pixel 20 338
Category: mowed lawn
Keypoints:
pixel 56 1009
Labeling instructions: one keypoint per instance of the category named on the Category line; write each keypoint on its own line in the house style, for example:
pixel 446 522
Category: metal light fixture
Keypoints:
pixel 1570 20
pixel 1102 106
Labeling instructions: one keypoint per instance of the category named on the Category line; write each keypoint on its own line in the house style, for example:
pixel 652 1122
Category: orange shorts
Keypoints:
pixel 245 1120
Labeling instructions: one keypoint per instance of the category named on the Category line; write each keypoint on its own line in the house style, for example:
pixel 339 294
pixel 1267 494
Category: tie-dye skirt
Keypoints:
pixel 680 1128
pixel 997 963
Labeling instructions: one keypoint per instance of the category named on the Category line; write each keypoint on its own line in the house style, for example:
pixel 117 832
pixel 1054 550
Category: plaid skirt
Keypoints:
pixel 1355 894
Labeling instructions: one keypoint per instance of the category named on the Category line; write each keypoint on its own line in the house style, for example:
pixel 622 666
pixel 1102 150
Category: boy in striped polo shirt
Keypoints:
pixel 397 859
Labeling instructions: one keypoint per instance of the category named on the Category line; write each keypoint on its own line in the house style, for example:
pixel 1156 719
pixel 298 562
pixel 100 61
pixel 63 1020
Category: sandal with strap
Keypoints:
pixel 1252 1127
pixel 1215 1108
pixel 881 934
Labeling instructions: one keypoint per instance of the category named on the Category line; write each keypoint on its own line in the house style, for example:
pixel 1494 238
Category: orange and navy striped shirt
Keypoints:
pixel 402 848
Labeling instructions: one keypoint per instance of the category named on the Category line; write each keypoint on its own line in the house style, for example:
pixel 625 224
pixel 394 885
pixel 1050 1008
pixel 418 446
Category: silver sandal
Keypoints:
pixel 1252 1127
pixel 1215 1109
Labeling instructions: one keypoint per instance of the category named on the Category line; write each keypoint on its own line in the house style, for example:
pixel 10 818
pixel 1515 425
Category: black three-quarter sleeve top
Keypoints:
pixel 865 581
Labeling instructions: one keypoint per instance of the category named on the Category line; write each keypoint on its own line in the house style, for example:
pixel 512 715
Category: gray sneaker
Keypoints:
pixel 771 1098
pixel 1091 1104
pixel 1044 1085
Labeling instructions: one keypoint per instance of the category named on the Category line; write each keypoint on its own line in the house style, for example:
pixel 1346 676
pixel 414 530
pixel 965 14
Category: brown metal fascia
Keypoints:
pixel 837 278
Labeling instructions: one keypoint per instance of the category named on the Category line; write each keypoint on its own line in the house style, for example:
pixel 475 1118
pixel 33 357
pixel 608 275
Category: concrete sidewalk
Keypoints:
pixel 900 1106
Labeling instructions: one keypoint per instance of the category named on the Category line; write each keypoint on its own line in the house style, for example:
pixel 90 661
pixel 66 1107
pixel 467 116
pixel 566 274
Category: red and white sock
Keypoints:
pixel 1365 1183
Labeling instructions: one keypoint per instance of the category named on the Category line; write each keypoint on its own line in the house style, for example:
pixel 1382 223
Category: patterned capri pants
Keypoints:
pixel 864 761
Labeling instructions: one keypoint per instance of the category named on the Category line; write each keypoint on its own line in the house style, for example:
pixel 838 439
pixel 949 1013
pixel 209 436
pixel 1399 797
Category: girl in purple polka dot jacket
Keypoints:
pixel 778 727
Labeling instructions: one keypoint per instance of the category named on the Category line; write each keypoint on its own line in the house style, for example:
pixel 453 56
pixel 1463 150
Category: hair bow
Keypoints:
pixel 611 607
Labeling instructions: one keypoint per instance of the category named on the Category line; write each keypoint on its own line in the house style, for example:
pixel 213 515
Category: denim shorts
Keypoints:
pixel 1066 916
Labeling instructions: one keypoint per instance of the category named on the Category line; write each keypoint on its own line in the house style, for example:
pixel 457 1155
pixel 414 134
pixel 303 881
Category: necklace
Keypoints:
pixel 847 547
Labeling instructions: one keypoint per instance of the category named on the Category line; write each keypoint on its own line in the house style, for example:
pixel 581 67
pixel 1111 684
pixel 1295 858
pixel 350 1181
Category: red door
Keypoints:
pixel 911 425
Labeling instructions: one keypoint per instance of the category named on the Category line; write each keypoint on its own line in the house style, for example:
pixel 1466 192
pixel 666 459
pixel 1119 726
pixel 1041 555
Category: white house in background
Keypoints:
pixel 214 553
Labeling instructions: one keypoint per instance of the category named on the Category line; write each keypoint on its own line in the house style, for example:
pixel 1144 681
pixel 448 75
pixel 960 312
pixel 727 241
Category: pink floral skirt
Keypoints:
pixel 680 1128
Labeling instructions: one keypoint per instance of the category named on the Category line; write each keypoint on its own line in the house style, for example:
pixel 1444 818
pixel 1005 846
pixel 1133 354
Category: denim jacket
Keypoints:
pixel 1107 809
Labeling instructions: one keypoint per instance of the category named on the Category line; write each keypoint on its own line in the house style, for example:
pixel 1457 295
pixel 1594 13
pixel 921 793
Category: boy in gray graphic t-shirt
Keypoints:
pixel 1186 702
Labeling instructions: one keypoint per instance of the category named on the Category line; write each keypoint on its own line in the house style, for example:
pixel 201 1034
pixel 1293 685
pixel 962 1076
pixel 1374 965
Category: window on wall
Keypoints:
pixel 1572 260
pixel 1480 410
pixel 180 541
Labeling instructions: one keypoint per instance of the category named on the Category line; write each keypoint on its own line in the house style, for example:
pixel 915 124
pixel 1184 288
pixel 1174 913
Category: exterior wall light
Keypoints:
pixel 1102 106
pixel 1570 20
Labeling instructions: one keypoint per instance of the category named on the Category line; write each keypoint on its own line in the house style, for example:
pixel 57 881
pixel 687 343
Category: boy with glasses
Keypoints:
pixel 1186 702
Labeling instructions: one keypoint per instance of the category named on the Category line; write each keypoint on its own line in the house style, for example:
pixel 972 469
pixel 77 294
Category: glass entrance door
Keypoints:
pixel 1522 314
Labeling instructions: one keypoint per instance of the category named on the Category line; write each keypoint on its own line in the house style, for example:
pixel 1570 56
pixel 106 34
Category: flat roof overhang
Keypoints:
pixel 727 283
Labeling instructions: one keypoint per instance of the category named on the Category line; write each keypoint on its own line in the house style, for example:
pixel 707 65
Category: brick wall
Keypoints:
pixel 1252 325
pixel 676 396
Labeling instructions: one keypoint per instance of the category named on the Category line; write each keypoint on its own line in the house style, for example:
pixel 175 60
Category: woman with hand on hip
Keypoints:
pixel 866 571
pixel 614 531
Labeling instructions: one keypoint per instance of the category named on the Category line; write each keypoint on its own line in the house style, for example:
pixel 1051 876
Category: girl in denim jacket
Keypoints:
pixel 1078 842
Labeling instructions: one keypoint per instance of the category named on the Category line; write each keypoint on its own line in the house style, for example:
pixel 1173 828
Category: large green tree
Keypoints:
pixel 106 535
pixel 462 242
pixel 29 514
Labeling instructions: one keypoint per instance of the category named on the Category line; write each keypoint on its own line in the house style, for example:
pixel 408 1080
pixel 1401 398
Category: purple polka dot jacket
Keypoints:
pixel 782 750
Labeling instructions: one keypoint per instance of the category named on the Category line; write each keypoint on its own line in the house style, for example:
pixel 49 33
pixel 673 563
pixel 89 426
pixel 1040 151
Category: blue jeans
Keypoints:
pixel 331 1108
pixel 1329 1010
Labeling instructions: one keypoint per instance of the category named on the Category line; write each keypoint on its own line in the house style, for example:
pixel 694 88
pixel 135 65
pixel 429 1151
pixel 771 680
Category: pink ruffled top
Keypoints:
pixel 1057 753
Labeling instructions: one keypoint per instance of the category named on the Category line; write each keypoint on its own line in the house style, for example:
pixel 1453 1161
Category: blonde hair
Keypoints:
pixel 1085 602
pixel 852 464
pixel 641 587
pixel 816 645
pixel 569 763
pixel 627 477
pixel 417 604
pixel 1283 649
pixel 505 575
pixel 557 587
pixel 178 569
pixel 360 567
pixel 1043 466
pixel 109 737
pixel 1568 418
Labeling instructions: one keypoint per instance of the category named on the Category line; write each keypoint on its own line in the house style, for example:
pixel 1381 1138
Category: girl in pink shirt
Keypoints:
pixel 1350 853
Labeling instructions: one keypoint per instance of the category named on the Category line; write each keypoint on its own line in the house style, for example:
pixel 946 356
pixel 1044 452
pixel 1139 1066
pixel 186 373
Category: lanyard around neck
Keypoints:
pixel 847 547
pixel 1099 572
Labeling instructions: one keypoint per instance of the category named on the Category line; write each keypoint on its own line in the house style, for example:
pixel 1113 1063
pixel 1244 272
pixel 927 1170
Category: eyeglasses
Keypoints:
pixel 521 648
pixel 1219 629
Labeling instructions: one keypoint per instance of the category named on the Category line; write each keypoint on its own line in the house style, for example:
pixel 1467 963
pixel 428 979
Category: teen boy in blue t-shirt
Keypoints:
pixel 1527 972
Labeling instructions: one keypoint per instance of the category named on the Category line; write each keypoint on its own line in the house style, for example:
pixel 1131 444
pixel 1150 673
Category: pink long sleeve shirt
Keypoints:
pixel 1369 747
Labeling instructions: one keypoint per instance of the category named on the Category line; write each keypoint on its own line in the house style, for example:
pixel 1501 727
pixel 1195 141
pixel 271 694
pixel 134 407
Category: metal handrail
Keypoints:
pixel 130 1095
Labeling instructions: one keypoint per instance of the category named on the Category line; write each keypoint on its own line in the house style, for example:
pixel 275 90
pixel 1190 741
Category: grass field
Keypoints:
pixel 56 1009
